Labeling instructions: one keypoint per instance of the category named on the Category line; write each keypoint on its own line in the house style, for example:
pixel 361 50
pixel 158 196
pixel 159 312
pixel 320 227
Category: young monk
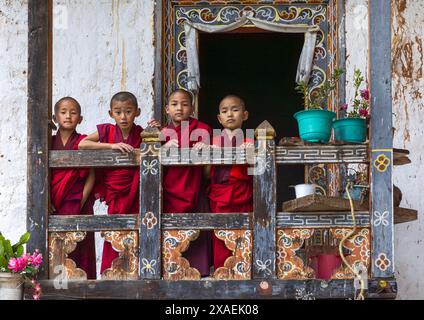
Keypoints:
pixel 71 188
pixel 119 188
pixel 182 185
pixel 231 188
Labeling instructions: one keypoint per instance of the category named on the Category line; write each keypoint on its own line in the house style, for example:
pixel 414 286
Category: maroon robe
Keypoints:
pixel 66 192
pixel 119 188
pixel 182 190
pixel 231 190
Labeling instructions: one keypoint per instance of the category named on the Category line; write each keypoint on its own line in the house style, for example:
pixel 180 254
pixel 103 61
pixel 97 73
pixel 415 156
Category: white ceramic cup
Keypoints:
pixel 306 189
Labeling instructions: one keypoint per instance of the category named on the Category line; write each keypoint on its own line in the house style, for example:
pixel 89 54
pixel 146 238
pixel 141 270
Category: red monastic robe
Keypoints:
pixel 182 190
pixel 66 192
pixel 231 190
pixel 119 188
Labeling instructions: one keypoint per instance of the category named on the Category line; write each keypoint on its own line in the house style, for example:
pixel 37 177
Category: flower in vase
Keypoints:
pixel 17 264
pixel 363 112
pixel 365 94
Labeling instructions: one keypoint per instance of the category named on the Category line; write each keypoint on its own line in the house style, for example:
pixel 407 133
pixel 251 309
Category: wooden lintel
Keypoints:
pixel 317 203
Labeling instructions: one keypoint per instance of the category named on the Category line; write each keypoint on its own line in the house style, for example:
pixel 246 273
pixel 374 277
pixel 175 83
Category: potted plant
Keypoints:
pixel 17 268
pixel 314 122
pixel 353 128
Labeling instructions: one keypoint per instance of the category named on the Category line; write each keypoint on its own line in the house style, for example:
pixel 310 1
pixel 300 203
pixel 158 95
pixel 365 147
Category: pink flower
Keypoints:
pixel 363 112
pixel 343 107
pixel 365 93
pixel 36 297
pixel 36 259
pixel 17 264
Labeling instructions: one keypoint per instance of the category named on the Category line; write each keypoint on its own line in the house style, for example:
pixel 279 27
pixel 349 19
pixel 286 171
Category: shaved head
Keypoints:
pixel 68 99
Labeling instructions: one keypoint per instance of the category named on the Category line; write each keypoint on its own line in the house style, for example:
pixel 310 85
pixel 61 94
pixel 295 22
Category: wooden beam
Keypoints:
pixel 380 63
pixel 94 223
pixel 206 221
pixel 208 289
pixel 322 154
pixel 403 215
pixel 264 204
pixel 39 110
pixel 93 159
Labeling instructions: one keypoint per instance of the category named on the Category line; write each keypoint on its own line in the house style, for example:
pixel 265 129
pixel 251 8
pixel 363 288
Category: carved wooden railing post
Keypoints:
pixel 264 186
pixel 150 205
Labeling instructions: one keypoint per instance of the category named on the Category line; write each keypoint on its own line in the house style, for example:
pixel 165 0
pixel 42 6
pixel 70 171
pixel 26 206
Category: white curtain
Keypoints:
pixel 304 67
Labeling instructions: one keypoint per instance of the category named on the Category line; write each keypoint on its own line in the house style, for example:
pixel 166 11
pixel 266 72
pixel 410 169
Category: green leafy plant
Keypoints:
pixel 14 260
pixel 323 91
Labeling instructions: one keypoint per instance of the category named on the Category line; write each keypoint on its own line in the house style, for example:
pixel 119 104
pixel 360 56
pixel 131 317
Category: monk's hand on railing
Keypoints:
pixel 153 123
pixel 201 145
pixel 123 147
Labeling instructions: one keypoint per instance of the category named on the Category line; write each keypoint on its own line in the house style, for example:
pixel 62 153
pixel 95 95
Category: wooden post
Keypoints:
pixel 157 83
pixel 264 189
pixel 39 110
pixel 150 205
pixel 381 138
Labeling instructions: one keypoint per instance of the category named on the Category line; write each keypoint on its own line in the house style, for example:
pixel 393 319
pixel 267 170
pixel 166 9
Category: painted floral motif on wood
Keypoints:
pixel 61 244
pixel 238 266
pixel 126 266
pixel 175 267
pixel 289 265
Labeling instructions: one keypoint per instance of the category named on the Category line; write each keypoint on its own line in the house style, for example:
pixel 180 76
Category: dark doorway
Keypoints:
pixel 260 67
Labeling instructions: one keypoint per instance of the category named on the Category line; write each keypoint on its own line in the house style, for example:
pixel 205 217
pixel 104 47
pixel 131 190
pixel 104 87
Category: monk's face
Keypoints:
pixel 67 115
pixel 124 114
pixel 179 107
pixel 232 113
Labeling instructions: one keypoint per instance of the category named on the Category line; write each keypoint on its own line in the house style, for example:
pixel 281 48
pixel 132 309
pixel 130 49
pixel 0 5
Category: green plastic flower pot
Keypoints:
pixel 315 125
pixel 350 130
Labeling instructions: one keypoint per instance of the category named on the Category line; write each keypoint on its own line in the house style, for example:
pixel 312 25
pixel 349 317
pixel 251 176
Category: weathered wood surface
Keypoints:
pixel 321 219
pixel 316 203
pixel 94 223
pixel 158 76
pixel 380 42
pixel 322 154
pixel 150 205
pixel 264 200
pixel 403 215
pixel 206 221
pixel 93 158
pixel 208 289
pixel 39 113
pixel 400 157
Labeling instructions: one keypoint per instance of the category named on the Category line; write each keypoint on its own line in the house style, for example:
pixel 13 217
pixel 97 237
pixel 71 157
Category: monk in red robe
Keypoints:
pixel 70 189
pixel 182 185
pixel 119 188
pixel 231 188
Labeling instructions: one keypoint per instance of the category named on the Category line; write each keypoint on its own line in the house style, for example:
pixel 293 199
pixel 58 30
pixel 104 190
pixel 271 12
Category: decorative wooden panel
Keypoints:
pixel 359 246
pixel 93 158
pixel 321 220
pixel 150 205
pixel 125 267
pixel 381 139
pixel 238 266
pixel 61 244
pixel 289 265
pixel 175 267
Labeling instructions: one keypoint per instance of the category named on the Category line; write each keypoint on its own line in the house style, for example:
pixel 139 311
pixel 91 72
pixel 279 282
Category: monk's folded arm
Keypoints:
pixel 91 142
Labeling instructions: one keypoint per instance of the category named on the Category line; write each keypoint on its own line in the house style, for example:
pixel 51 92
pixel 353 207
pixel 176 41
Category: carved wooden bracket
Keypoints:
pixel 175 267
pixel 359 247
pixel 289 265
pixel 126 266
pixel 61 244
pixel 238 266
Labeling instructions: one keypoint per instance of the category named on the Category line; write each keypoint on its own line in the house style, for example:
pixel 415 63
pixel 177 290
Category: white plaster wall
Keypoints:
pixel 408 107
pixel 13 121
pixel 101 48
